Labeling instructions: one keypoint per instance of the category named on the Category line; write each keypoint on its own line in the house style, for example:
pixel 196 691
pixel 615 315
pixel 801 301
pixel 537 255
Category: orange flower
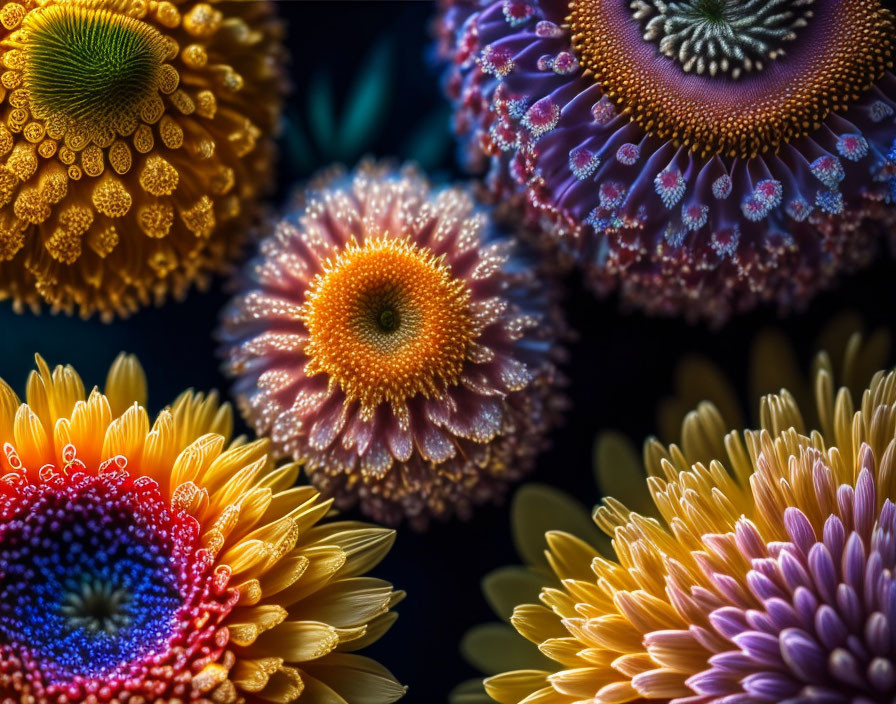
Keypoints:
pixel 160 560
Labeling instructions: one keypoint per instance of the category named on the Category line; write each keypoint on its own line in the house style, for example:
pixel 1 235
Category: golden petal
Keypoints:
pixel 512 687
pixel 325 562
pixel 536 623
pixel 127 434
pixel 193 460
pixel 252 675
pixel 297 641
pixel 356 679
pixel 286 685
pixel 125 384
pixel 346 603
pixel 284 573
pixel 32 443
pixel 364 545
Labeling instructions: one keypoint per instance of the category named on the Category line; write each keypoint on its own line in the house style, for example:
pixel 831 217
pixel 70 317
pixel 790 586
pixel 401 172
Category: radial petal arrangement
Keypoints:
pixel 702 156
pixel 160 561
pixel 763 571
pixel 135 139
pixel 399 342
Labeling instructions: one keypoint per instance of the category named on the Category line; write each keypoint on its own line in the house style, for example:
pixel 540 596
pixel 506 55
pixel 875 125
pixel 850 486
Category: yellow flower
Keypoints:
pixel 134 139
pixel 160 560
pixel 698 582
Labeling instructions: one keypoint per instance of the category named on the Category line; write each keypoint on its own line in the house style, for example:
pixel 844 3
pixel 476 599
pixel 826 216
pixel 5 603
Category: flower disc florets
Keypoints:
pixel 397 340
pixel 701 155
pixel 135 139
pixel 159 562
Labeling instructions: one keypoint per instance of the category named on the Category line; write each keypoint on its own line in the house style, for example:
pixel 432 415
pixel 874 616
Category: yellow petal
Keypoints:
pixel 297 641
pixel 31 441
pixel 285 686
pixel 196 415
pixel 284 573
pixel 160 450
pixel 125 384
pixel 582 682
pixel 356 679
pixel 325 562
pixel 537 623
pixel 346 603
pixel 192 462
pixel 512 687
pixel 364 545
pixel 374 631
pixel 252 675
pixel 246 624
pixel 231 461
pixel 9 404
pixel 281 478
pixel 126 434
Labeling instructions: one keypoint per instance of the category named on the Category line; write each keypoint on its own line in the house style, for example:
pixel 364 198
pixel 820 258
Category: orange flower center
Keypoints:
pixel 387 321
pixel 846 47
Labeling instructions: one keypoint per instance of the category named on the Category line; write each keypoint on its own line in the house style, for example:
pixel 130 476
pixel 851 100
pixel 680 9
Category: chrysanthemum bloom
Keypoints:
pixel 163 562
pixel 399 343
pixel 701 155
pixel 134 138
pixel 766 575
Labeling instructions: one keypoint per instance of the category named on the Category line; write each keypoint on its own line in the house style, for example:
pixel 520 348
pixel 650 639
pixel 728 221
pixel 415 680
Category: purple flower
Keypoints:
pixel 820 625
pixel 400 343
pixel 776 117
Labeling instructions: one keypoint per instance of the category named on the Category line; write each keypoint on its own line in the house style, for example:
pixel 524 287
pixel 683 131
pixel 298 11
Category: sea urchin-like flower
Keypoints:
pixel 702 155
pixel 134 138
pixel 398 343
pixel 163 562
pixel 767 575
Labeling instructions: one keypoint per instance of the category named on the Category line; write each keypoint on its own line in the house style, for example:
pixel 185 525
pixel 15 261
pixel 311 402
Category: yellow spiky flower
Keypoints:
pixel 159 560
pixel 134 139
pixel 736 579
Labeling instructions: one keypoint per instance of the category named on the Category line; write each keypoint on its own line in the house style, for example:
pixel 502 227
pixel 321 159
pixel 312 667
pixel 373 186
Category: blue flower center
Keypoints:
pixel 88 583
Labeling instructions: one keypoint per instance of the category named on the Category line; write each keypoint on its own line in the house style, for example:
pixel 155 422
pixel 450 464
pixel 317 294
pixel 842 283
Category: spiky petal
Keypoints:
pixel 399 342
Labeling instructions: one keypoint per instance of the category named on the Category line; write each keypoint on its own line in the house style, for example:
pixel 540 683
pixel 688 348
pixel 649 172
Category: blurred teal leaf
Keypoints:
pixel 298 148
pixel 430 141
pixel 321 116
pixel 368 102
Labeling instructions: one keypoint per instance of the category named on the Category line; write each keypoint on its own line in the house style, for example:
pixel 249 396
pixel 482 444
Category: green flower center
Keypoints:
pixel 725 37
pixel 97 607
pixel 388 320
pixel 90 67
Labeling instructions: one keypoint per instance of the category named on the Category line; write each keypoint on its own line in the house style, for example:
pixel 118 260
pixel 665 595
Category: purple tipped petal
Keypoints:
pixel 803 655
pixel 799 529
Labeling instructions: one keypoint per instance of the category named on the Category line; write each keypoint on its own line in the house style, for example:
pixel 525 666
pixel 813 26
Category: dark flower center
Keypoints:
pixel 388 320
pixel 722 36
pixel 95 606
pixel 90 576
pixel 91 68
pixel 687 95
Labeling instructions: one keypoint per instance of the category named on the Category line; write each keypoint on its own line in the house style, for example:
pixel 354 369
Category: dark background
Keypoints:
pixel 363 82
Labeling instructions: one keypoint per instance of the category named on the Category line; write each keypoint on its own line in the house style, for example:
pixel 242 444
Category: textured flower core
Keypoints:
pixel 91 70
pixel 156 561
pixel 97 571
pixel 397 340
pixel 386 321
pixel 135 138
pixel 730 36
pixel 750 116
